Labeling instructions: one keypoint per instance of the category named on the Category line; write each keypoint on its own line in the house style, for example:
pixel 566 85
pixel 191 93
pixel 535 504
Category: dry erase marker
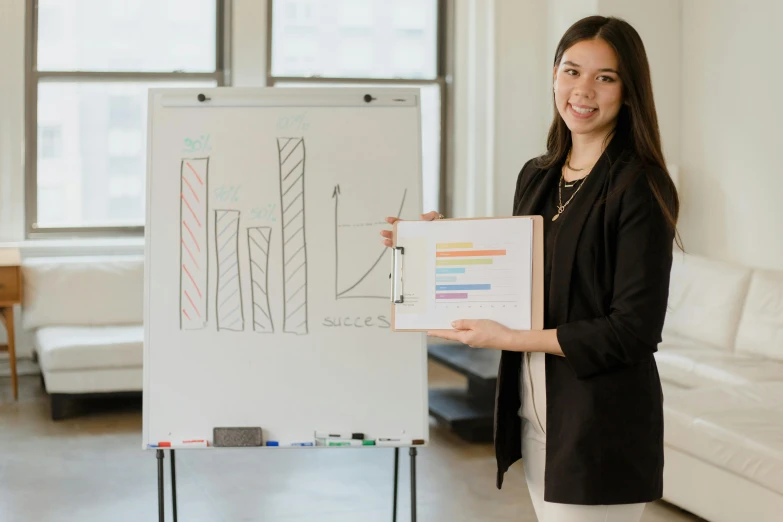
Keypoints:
pixel 180 444
pixel 348 442
pixel 276 443
pixel 392 442
pixel 399 442
pixel 329 435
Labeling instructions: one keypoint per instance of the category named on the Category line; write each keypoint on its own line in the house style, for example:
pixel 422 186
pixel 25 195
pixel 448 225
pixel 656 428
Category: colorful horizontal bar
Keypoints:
pixel 471 253
pixel 445 246
pixel 446 279
pixel 462 287
pixel 452 262
pixel 451 296
pixel 449 270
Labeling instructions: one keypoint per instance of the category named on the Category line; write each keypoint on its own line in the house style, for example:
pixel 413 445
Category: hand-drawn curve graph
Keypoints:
pixel 373 280
pixel 291 153
pixel 230 315
pixel 193 252
pixel 258 241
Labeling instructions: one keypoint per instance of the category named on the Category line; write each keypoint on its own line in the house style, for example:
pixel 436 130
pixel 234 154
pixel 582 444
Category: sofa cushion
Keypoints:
pixel 65 348
pixel 706 299
pixel 102 380
pixel 738 428
pixel 694 366
pixel 671 340
pixel 83 291
pixel 761 327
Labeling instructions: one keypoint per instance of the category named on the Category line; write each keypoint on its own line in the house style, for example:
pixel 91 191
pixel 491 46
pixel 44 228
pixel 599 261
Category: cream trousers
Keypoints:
pixel 533 413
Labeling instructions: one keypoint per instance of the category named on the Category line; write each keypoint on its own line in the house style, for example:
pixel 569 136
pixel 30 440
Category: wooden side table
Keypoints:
pixel 10 295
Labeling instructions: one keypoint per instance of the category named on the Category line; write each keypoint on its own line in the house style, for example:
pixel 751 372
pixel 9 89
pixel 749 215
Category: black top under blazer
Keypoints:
pixel 608 296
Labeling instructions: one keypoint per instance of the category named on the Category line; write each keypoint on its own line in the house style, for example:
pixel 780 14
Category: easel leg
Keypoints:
pixel 173 486
pixel 396 480
pixel 161 514
pixel 413 452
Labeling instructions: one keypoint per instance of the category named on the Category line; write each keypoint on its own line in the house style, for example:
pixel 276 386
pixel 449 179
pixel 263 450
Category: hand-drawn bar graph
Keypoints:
pixel 467 274
pixel 258 242
pixel 194 258
pixel 230 315
pixel 291 153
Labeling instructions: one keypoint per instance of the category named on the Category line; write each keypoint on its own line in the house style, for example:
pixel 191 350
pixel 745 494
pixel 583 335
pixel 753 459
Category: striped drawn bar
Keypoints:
pixel 447 246
pixel 471 253
pixel 452 262
pixel 291 153
pixel 193 249
pixel 230 315
pixel 258 241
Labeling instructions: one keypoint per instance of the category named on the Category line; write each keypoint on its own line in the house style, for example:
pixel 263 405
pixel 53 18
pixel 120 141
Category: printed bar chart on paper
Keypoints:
pixel 473 273
pixel 469 269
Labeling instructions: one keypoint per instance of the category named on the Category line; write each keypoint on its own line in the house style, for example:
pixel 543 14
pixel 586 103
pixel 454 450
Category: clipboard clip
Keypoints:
pixel 396 274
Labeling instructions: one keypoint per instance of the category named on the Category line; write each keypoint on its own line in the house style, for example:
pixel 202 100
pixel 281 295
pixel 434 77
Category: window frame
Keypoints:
pixel 443 79
pixel 34 77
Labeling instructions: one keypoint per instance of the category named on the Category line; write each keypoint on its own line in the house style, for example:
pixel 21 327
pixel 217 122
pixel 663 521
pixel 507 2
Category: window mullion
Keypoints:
pixel 100 76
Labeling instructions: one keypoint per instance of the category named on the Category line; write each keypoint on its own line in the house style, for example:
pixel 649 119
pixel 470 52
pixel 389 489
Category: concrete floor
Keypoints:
pixel 92 469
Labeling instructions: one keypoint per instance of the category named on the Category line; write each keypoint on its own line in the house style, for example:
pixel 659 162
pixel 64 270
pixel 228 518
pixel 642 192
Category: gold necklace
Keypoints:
pixel 561 207
pixel 568 162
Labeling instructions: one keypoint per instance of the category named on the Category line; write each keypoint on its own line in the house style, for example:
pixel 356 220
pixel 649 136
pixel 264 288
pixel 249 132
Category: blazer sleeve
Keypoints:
pixel 632 330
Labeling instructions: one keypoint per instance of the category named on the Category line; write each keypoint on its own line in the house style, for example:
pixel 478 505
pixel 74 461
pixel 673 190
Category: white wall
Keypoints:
pixel 561 14
pixel 12 74
pixel 522 102
pixel 658 24
pixel 731 174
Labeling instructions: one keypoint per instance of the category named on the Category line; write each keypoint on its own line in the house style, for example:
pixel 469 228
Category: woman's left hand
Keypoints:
pixel 478 333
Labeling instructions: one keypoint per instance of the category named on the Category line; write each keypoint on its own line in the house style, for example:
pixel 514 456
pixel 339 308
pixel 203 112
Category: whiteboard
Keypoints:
pixel 267 290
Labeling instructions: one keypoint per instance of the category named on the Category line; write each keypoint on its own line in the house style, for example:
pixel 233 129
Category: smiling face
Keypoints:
pixel 588 89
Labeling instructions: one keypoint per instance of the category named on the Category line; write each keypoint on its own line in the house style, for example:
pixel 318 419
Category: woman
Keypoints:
pixel 585 400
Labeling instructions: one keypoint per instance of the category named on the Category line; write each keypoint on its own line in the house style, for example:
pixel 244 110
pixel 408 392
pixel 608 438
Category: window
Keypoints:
pixel 370 42
pixel 91 64
pixel 50 141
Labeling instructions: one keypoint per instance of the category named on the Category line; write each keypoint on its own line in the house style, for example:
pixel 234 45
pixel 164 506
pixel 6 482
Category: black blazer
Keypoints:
pixel 609 289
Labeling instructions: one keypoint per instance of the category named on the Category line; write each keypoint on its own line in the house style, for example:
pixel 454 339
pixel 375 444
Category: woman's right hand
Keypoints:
pixel 387 234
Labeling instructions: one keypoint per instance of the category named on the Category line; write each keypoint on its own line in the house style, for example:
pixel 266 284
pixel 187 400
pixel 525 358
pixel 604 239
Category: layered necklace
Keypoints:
pixel 562 206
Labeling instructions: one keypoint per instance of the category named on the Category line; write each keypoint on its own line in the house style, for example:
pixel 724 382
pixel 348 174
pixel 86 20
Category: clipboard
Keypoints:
pixel 472 268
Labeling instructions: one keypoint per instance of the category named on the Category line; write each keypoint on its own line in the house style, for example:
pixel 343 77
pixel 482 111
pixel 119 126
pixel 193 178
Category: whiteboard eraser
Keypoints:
pixel 237 437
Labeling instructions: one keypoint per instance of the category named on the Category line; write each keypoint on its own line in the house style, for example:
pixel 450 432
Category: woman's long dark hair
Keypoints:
pixel 637 121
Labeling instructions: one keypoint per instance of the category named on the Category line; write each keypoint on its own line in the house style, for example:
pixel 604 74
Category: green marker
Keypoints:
pixel 353 442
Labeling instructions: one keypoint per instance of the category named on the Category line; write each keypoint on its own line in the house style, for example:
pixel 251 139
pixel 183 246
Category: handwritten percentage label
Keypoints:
pixel 293 122
pixel 201 144
pixel 228 193
pixel 266 213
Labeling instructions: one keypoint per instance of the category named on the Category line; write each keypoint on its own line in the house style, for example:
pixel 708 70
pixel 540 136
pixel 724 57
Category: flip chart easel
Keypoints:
pixel 263 266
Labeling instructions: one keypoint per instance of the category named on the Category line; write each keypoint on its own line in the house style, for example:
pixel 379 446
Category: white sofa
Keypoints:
pixel 721 363
pixel 86 316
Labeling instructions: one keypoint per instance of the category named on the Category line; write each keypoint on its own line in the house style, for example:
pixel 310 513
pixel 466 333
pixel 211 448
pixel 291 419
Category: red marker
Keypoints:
pixel 195 443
